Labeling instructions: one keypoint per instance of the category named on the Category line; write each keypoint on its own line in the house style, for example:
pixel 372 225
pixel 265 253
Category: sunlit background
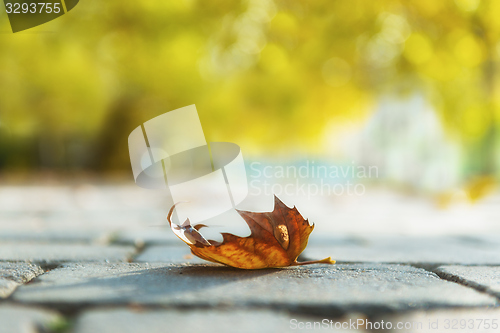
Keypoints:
pixel 411 87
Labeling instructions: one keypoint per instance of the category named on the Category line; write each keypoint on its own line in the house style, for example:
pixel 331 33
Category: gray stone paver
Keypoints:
pixel 57 253
pixel 20 319
pixel 170 254
pixel 485 277
pixel 55 236
pixel 152 235
pixel 92 231
pixel 421 250
pixel 15 274
pixel 81 226
pixel 207 321
pixel 321 288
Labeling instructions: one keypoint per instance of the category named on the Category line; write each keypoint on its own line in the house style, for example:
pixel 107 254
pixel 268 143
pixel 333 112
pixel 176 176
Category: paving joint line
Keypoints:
pixel 433 268
pixel 467 283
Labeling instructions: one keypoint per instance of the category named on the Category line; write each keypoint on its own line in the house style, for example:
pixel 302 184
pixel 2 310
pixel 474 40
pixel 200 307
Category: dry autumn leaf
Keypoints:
pixel 276 240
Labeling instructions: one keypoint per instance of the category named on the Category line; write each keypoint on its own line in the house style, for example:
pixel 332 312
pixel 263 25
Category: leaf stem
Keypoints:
pixel 322 261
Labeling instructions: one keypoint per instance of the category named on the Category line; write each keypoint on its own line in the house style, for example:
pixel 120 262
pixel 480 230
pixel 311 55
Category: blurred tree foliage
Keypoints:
pixel 269 75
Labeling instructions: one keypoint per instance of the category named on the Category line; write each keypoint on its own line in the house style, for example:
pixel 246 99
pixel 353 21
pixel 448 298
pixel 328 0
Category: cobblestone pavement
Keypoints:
pixel 96 258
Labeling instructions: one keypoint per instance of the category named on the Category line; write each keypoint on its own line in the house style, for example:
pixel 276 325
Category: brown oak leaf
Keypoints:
pixel 276 240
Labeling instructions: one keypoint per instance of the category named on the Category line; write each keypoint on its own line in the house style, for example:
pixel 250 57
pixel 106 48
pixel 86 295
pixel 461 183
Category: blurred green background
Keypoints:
pixel 397 84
